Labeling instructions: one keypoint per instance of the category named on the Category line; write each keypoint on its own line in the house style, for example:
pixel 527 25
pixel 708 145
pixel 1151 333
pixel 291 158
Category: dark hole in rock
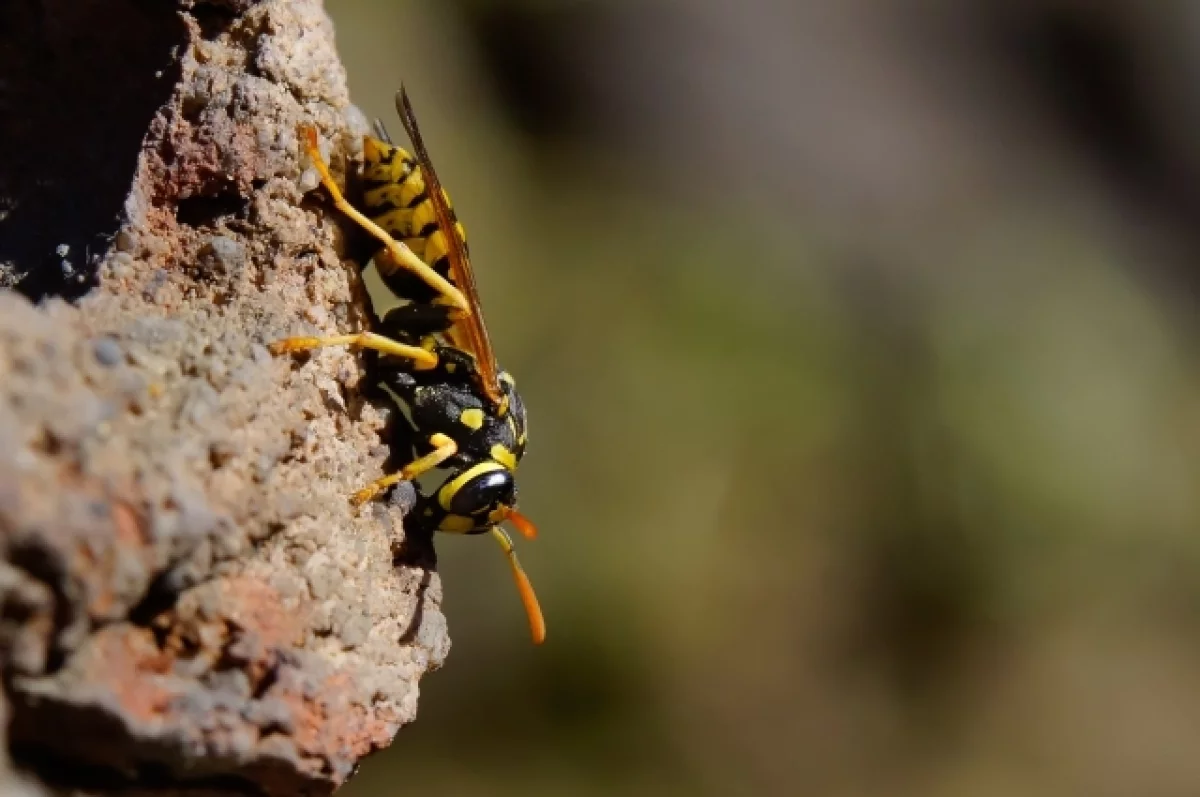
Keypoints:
pixel 204 211
pixel 74 107
pixel 213 19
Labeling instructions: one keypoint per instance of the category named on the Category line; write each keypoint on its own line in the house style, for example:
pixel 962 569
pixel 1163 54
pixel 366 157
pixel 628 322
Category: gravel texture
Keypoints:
pixel 184 583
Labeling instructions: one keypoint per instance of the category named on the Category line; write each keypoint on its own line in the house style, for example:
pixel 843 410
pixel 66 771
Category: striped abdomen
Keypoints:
pixel 395 197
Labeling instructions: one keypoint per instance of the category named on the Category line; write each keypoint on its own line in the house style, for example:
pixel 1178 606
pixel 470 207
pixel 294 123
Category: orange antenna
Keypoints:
pixel 537 623
pixel 522 524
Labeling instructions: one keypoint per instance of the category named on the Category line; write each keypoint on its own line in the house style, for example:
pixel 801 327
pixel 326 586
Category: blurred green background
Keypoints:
pixel 857 340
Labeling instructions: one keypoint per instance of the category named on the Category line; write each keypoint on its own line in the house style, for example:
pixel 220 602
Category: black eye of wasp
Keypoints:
pixel 485 492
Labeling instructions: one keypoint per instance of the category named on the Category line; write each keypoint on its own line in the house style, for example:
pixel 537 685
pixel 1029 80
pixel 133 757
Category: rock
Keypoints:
pixel 185 585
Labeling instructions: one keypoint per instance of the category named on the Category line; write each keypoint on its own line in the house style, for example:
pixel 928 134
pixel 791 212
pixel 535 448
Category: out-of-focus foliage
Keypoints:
pixel 857 340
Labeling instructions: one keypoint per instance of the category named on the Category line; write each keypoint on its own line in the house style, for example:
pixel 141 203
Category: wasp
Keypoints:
pixel 461 412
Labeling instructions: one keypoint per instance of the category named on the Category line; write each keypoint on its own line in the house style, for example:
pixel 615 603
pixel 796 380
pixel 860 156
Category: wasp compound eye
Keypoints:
pixel 483 493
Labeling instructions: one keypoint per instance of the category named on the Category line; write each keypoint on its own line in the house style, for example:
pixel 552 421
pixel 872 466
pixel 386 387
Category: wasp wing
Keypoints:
pixel 461 274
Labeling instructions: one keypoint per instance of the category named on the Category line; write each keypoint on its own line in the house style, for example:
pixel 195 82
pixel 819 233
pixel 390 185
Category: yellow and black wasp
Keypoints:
pixel 435 356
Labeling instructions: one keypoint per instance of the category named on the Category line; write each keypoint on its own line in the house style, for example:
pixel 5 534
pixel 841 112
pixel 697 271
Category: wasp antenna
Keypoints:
pixel 522 524
pixel 537 623
pixel 380 131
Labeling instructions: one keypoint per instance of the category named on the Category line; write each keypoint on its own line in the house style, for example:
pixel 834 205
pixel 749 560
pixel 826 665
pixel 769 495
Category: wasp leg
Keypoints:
pixel 419 319
pixel 422 359
pixel 399 254
pixel 444 448
pixel 537 623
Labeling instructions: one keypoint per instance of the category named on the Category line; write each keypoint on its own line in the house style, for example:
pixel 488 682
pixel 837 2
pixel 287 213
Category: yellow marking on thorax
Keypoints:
pixel 472 418
pixel 501 454
pixel 450 489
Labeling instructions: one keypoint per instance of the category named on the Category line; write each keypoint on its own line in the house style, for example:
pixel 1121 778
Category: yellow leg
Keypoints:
pixel 537 623
pixel 422 359
pixel 401 256
pixel 444 448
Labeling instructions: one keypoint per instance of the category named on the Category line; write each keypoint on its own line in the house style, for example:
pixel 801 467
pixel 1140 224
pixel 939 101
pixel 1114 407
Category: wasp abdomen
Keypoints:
pixel 395 197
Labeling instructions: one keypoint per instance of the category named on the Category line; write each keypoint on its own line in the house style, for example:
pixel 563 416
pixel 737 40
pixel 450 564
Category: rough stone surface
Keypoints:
pixel 184 584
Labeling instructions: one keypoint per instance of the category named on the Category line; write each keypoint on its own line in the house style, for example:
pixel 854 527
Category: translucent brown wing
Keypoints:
pixel 461 273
